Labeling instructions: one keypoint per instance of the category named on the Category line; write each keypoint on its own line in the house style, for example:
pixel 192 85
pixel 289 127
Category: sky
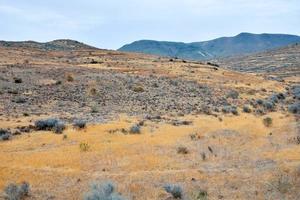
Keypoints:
pixel 110 24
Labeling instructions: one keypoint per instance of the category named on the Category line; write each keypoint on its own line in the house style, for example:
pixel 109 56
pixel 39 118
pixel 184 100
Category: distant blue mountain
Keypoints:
pixel 243 43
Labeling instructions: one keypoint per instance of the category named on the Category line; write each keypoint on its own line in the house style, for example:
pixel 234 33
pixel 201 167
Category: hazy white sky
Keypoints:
pixel 112 23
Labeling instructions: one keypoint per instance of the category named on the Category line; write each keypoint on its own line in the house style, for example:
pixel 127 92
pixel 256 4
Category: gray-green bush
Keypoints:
pixel 17 192
pixel 175 190
pixel 79 124
pixel 51 124
pixel 103 191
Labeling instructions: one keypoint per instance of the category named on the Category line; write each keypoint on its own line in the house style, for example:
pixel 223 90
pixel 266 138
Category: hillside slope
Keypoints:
pixel 283 62
pixel 244 43
pixel 63 45
pixel 72 118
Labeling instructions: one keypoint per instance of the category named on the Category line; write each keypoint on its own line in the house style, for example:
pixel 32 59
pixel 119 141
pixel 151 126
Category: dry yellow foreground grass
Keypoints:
pixel 242 164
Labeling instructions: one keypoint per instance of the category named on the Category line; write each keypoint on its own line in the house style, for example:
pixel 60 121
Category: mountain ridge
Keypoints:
pixel 59 44
pixel 241 44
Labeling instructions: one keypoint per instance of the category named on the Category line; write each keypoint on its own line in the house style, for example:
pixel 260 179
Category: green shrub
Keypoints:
pixel 268 121
pixel 202 195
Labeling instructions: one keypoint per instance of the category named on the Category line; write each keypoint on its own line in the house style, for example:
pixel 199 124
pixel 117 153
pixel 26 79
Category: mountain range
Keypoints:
pixel 241 44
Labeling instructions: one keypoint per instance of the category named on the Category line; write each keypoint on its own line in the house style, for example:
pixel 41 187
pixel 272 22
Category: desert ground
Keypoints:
pixel 149 122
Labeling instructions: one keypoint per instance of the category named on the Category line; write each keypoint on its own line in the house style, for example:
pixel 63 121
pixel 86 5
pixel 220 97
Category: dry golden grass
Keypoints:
pixel 140 164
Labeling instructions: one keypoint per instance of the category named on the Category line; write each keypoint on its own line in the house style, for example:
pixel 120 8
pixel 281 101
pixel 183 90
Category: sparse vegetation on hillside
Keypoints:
pixel 276 64
pixel 283 184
